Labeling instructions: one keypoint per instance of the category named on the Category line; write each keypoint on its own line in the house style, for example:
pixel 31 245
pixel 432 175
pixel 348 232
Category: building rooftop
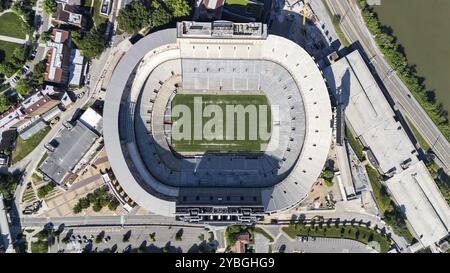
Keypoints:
pixel 105 8
pixel 92 120
pixel 38 103
pixel 76 68
pixel 70 146
pixel 222 29
pixel 69 14
pixel 370 116
pixel 58 57
pixel 368 112
pixel 422 203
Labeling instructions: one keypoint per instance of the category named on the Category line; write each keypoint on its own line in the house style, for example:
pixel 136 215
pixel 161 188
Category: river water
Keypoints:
pixel 423 28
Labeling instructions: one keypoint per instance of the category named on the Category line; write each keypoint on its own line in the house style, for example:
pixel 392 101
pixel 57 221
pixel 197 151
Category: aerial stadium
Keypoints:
pixel 217 122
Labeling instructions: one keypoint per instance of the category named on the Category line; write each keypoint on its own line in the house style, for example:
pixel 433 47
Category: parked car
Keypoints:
pixel 25 69
pixel 33 55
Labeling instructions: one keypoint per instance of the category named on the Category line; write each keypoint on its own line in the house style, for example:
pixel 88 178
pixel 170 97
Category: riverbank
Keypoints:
pixel 422 29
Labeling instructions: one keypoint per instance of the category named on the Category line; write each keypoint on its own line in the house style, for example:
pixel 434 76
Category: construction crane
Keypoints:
pixel 305 11
pixel 305 14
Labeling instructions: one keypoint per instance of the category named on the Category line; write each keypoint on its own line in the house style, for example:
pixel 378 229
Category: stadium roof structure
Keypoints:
pixel 217 57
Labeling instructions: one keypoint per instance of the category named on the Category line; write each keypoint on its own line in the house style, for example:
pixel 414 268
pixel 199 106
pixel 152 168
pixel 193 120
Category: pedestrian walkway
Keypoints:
pixel 12 39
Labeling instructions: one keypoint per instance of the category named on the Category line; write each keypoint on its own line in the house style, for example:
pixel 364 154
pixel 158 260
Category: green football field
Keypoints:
pixel 229 125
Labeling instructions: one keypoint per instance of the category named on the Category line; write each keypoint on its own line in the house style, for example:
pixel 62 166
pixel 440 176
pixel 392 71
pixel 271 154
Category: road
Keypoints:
pixel 95 221
pixel 355 29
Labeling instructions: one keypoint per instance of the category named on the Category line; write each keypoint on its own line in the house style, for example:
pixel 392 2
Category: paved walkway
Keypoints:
pixel 12 39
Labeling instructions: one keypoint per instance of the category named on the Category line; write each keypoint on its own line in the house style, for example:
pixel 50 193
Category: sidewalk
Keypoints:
pixel 12 39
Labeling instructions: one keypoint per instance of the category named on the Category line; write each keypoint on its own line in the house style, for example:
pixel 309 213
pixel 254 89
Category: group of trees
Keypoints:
pixel 50 6
pixel 92 43
pixel 46 36
pixel 137 15
pixel 4 4
pixel 5 103
pixel 396 56
pixel 99 199
pixel 392 214
pixel 25 85
pixel 8 184
pixel 16 61
pixel 27 14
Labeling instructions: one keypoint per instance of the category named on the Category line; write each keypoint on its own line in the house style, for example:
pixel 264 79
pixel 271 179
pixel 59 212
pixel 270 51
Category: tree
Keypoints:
pixel 99 237
pixel 328 175
pixel 126 236
pixel 84 203
pixel 113 204
pixel 7 68
pixel 97 206
pixel 160 17
pixel 178 8
pixel 50 6
pixel 77 208
pixel 46 36
pixel 91 44
pixel 8 183
pixel 179 235
pixel 23 87
pixel 5 103
pixel 37 77
pixel 133 17
pixel 152 237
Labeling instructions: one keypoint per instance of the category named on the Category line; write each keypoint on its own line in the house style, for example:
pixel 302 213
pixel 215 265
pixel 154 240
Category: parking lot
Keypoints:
pixel 136 239
pixel 319 245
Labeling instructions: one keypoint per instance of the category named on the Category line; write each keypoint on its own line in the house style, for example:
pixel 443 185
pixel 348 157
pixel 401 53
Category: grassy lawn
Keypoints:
pixel 41 246
pixel 42 159
pixel 246 6
pixel 236 137
pixel 263 233
pixel 11 25
pixel 422 142
pixel 356 233
pixel 24 147
pixel 6 50
pixel 355 144
pixel 381 196
pixel 98 19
